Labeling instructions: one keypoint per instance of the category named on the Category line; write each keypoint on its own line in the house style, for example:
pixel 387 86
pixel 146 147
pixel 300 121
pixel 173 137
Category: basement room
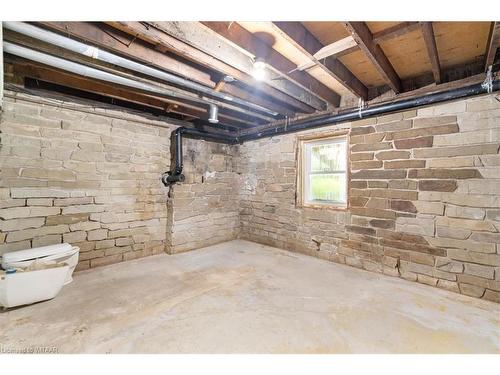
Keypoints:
pixel 298 185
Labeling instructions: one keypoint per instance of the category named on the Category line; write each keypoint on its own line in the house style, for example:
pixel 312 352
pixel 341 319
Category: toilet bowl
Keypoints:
pixel 46 255
pixel 24 288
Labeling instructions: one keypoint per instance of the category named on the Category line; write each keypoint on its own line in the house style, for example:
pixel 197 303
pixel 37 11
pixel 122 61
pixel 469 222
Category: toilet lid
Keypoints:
pixel 37 252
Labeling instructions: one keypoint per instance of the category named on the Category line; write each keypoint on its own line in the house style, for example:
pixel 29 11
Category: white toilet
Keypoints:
pixel 53 254
pixel 33 282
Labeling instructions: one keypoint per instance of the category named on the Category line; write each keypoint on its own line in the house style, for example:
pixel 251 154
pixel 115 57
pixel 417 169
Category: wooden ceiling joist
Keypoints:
pixel 166 42
pixel 247 41
pixel 364 38
pixel 395 31
pixel 210 42
pixel 113 40
pixel 302 39
pixel 246 114
pixel 492 45
pixel 96 87
pixel 432 52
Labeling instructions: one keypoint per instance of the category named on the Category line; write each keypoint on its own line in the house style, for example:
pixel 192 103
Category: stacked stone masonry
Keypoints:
pixel 424 197
pixel 204 209
pixel 91 177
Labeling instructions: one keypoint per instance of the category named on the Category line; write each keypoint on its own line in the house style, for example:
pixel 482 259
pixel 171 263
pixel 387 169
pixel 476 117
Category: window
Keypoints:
pixel 324 172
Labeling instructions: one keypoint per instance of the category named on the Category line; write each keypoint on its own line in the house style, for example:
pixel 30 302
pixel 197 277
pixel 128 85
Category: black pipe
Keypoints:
pixel 376 110
pixel 175 175
pixel 171 177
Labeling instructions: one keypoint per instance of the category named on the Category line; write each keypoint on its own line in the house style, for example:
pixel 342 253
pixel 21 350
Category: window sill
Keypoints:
pixel 323 206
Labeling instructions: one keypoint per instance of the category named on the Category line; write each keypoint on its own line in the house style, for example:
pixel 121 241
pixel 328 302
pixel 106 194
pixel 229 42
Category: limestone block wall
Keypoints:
pixel 424 198
pixel 91 177
pixel 85 176
pixel 204 209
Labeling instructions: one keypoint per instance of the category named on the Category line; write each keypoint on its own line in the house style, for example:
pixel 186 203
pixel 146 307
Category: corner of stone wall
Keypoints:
pixel 204 207
pixel 424 197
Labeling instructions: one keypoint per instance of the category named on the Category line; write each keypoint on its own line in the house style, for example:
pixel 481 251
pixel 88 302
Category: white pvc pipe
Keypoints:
pixel 99 54
pixel 90 72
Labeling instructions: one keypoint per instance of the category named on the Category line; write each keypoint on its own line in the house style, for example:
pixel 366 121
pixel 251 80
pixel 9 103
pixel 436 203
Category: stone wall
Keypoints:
pixel 424 198
pixel 204 209
pixel 91 177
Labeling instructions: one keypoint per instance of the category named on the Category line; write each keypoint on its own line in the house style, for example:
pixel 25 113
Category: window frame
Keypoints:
pixel 303 171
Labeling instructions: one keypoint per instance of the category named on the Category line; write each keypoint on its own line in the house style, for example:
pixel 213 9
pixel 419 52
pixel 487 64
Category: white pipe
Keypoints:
pixel 213 114
pixel 90 72
pixel 99 54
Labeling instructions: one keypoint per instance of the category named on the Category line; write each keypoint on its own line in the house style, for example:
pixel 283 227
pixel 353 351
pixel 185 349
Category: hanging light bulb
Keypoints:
pixel 259 69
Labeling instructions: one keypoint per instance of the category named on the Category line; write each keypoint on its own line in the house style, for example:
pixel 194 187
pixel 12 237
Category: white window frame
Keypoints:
pixel 305 173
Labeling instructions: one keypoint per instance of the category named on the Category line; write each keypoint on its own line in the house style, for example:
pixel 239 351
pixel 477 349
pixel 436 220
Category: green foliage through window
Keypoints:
pixel 325 171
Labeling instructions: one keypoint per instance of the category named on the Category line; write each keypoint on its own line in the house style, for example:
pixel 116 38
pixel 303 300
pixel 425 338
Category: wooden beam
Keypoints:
pixel 166 42
pixel 364 38
pixel 433 88
pixel 248 114
pixel 210 42
pixel 45 77
pixel 51 75
pixel 336 49
pixel 246 40
pixel 426 80
pixel 432 52
pixel 115 41
pixel 297 35
pixel 105 36
pixel 395 31
pixel 492 45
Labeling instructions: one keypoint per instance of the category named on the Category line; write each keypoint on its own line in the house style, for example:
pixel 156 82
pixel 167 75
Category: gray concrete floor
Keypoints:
pixel 242 297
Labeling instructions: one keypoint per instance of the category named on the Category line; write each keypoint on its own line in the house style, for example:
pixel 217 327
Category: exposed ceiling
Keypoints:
pixel 312 66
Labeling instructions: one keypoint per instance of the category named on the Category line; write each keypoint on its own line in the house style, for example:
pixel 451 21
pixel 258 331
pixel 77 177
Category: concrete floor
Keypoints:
pixel 242 297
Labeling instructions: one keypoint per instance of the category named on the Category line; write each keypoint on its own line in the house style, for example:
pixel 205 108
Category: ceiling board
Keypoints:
pixel 326 32
pixel 363 68
pixel 399 49
pixel 460 42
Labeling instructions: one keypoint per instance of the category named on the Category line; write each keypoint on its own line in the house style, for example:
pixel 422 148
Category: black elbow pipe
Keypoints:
pixel 171 177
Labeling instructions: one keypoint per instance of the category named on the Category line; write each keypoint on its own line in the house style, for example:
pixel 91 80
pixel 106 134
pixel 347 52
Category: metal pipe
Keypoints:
pixel 90 72
pixel 179 161
pixel 488 86
pixel 213 114
pixel 175 175
pixel 376 110
pixel 87 71
pixel 99 54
